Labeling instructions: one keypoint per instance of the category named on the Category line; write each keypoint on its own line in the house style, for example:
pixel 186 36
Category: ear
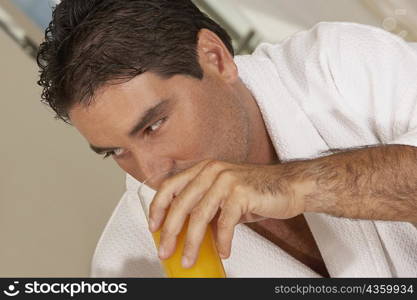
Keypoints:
pixel 214 57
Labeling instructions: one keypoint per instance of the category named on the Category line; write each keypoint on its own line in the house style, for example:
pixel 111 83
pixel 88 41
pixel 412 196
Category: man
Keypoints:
pixel 296 140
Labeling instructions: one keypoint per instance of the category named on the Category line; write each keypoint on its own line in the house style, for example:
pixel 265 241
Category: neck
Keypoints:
pixel 262 150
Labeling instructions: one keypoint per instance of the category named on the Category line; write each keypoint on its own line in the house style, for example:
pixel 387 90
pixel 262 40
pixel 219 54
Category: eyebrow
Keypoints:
pixel 144 120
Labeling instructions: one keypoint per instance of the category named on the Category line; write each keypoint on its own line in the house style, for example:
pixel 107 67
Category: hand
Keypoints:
pixel 233 193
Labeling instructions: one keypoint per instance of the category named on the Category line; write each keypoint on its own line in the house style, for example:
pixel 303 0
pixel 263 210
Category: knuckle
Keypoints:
pixel 227 175
pixel 238 189
pixel 188 245
pixel 166 183
pixel 197 214
pixel 169 230
pixel 166 231
pixel 176 204
pixel 222 223
pixel 154 206
pixel 214 165
pixel 206 161
pixel 155 209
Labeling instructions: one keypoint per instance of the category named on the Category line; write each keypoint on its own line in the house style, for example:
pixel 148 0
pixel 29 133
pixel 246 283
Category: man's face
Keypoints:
pixel 183 121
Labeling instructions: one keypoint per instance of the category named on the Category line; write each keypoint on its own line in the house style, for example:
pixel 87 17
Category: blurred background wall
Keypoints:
pixel 55 194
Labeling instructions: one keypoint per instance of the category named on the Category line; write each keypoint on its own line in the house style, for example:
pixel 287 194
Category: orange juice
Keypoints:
pixel 208 263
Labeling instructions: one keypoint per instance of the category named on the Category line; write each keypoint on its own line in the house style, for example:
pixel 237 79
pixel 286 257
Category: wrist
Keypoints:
pixel 296 187
pixel 303 191
pixel 301 185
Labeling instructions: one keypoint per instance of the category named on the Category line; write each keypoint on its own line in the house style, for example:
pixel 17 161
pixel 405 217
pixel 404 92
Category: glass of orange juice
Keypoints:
pixel 208 263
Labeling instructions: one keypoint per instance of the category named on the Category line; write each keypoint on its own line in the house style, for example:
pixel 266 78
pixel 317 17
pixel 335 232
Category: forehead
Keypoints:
pixel 116 107
pixel 142 88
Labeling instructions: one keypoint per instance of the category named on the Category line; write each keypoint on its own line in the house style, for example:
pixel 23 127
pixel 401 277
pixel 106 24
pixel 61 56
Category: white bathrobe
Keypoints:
pixel 337 85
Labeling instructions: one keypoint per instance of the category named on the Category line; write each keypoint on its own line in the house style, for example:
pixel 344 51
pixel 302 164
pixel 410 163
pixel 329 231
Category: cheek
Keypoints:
pixel 186 141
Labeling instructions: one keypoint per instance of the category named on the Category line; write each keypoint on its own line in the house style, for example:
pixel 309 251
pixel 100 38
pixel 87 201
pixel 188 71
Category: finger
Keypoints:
pixel 183 205
pixel 229 217
pixel 168 248
pixel 200 218
pixel 169 188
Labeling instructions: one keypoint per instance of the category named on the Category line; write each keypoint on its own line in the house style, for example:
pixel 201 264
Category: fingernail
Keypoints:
pixel 161 252
pixel 186 262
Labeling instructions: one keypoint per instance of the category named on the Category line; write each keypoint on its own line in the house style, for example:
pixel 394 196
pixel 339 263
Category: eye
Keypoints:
pixel 118 152
pixel 151 129
pixel 155 126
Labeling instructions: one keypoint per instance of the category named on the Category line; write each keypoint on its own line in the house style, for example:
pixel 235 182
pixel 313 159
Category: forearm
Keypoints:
pixel 378 183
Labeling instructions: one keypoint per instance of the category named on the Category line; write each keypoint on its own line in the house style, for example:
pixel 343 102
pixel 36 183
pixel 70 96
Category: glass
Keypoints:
pixel 208 263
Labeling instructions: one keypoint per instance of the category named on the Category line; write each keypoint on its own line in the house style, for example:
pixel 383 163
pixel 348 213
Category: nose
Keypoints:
pixel 155 181
pixel 153 168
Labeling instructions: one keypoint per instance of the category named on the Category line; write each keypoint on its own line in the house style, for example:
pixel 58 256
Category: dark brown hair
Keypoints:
pixel 90 43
